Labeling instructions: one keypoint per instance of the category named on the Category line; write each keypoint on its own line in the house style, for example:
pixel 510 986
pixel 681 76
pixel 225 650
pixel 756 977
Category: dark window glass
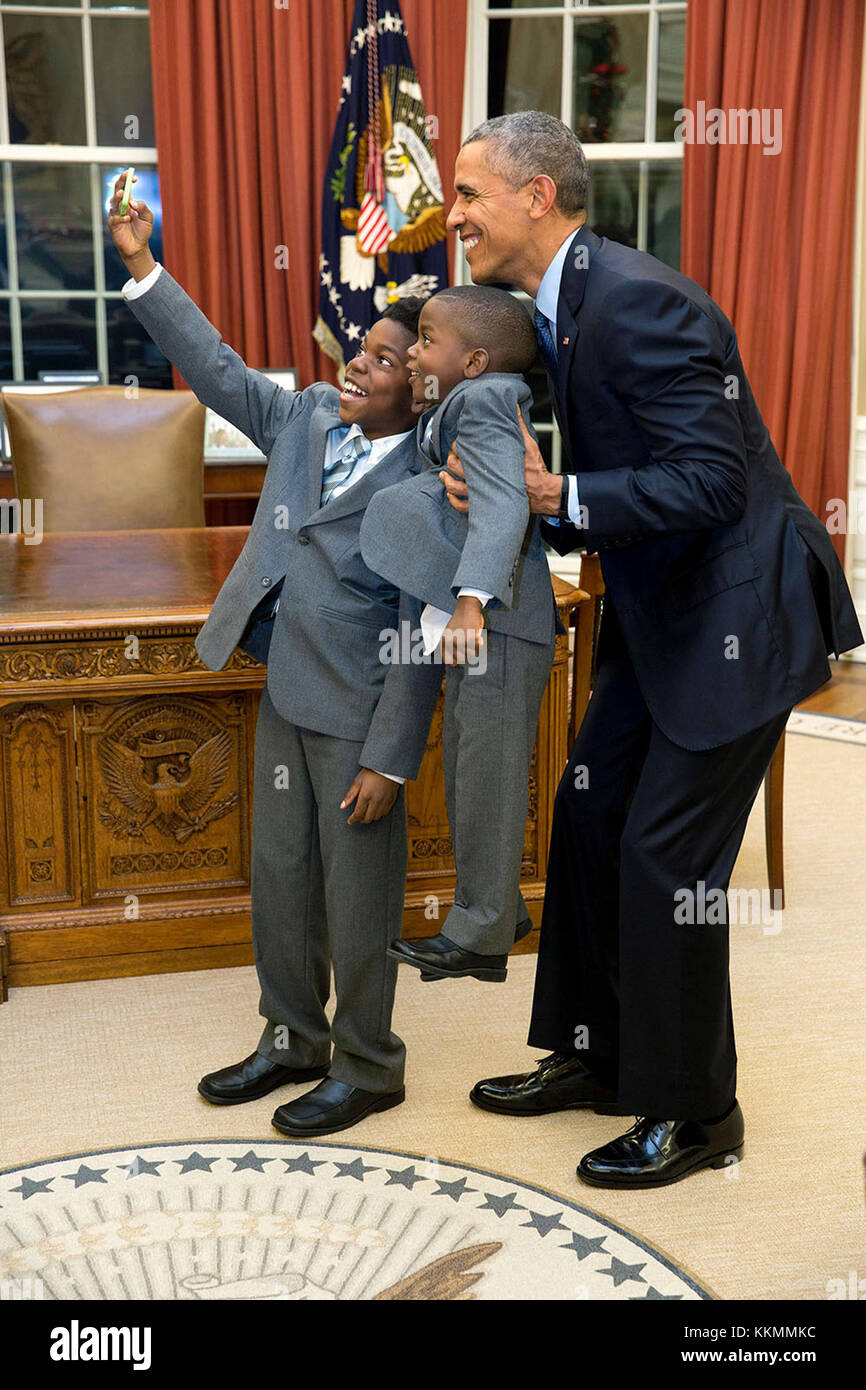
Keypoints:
pixel 672 61
pixel 59 334
pixel 614 204
pixel 5 343
pixel 610 78
pixel 132 352
pixel 54 226
pixel 123 46
pixel 524 66
pixel 44 79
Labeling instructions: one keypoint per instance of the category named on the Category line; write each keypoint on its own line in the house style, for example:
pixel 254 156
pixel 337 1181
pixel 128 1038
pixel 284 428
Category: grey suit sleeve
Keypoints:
pixel 214 371
pixel 397 737
pixel 490 447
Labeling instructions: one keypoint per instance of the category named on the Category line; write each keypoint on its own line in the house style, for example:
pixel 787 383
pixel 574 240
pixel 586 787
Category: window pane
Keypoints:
pixel 121 4
pixel 665 210
pixel 672 61
pixel 44 79
pixel 59 334
pixel 131 350
pixel 5 343
pixel 610 78
pixel 123 46
pixel 146 191
pixel 525 66
pixel 614 204
pixel 53 224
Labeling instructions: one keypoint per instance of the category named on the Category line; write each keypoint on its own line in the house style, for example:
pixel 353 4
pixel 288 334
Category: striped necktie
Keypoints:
pixel 355 447
pixel 545 338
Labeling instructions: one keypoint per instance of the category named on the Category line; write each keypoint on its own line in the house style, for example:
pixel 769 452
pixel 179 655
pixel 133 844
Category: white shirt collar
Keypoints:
pixel 547 298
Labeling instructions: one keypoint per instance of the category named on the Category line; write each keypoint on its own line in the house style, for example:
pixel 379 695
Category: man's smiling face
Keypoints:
pixel 490 217
pixel 376 393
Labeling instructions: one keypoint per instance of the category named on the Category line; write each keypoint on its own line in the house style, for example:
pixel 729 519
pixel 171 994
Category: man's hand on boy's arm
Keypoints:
pixel 464 633
pixel 373 794
pixel 543 488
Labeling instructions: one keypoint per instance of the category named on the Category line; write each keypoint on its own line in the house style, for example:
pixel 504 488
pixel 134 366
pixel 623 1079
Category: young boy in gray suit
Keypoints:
pixel 473 344
pixel 337 731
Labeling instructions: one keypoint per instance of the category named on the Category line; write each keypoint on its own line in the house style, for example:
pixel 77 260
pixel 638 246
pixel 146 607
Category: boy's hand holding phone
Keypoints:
pixel 131 233
pixel 463 637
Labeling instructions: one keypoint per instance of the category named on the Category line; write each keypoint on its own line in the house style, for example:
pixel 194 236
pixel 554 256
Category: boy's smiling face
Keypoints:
pixel 376 394
pixel 440 359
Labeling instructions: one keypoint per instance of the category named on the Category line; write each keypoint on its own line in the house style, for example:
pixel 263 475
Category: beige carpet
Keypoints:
pixel 114 1063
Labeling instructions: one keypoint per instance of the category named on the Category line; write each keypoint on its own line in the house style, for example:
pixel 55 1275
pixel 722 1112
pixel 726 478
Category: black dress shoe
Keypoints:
pixel 253 1077
pixel 655 1152
pixel 330 1106
pixel 439 958
pixel 559 1082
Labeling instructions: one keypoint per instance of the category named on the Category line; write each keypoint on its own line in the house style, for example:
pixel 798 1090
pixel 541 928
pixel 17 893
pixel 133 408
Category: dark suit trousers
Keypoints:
pixel 644 998
pixel 324 893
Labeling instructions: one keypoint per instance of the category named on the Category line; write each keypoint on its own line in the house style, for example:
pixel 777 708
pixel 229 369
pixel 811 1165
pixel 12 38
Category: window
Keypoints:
pixel 614 74
pixel 68 127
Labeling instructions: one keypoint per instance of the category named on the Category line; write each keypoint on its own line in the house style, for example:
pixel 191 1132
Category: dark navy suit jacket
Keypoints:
pixel 727 587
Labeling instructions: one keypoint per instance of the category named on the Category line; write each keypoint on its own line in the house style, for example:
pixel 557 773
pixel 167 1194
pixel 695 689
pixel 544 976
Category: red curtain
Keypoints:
pixel 245 96
pixel 771 236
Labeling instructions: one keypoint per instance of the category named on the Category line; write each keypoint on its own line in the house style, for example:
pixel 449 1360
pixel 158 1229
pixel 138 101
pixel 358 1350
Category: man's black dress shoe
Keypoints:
pixel 330 1106
pixel 559 1082
pixel 655 1152
pixel 253 1077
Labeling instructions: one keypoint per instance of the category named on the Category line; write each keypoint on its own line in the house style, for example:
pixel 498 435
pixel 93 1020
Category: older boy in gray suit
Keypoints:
pixel 473 342
pixel 337 731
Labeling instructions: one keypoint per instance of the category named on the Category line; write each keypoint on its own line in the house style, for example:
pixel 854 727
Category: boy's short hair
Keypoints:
pixel 406 311
pixel 493 319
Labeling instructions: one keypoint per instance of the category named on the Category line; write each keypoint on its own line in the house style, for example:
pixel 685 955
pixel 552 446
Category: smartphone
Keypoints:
pixel 127 190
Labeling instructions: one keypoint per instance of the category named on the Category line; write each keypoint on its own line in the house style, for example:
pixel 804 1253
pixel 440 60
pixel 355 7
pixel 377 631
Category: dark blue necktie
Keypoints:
pixel 545 339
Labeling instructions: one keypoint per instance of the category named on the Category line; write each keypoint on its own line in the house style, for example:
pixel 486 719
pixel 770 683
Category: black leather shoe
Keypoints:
pixel 439 958
pixel 655 1152
pixel 559 1082
pixel 330 1106
pixel 253 1077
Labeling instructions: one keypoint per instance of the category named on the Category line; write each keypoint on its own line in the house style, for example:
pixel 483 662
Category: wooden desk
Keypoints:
pixel 104 705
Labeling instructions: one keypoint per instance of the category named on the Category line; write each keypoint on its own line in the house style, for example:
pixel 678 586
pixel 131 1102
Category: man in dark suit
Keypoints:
pixel 724 596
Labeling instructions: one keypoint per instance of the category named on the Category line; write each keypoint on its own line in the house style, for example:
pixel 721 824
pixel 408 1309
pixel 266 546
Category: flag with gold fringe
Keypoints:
pixel 383 216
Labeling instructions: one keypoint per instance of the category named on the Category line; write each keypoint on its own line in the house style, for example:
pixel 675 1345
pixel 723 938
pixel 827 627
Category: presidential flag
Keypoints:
pixel 383 217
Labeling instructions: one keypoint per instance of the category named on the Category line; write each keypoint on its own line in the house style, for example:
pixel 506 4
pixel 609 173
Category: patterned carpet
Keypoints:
pixel 274 1220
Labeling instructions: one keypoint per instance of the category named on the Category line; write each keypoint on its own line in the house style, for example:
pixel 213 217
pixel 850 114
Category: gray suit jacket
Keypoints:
pixel 413 536
pixel 325 666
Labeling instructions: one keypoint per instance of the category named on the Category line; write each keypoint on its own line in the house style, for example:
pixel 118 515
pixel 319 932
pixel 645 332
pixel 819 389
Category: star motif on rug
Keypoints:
pixel 454 1190
pixel 304 1164
pixel 356 1169
pixel 249 1160
pixel 405 1177
pixel 194 1163
pixel 28 1187
pixel 501 1205
pixel 583 1246
pixel 85 1175
pixel 620 1272
pixel 141 1167
pixel 545 1224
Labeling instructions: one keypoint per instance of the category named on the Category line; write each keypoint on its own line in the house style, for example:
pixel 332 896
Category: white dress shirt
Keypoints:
pixel 547 302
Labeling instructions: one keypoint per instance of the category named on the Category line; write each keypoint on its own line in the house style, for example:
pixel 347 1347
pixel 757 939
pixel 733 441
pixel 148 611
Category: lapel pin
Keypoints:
pixel 565 342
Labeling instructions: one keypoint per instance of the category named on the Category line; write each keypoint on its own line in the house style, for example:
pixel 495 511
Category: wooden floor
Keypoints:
pixel 844 695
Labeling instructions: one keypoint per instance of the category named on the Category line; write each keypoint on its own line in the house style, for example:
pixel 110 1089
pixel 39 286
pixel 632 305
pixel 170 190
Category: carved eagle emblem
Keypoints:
pixel 171 787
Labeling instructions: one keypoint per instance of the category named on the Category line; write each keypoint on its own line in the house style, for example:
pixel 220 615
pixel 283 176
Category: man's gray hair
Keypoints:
pixel 527 143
